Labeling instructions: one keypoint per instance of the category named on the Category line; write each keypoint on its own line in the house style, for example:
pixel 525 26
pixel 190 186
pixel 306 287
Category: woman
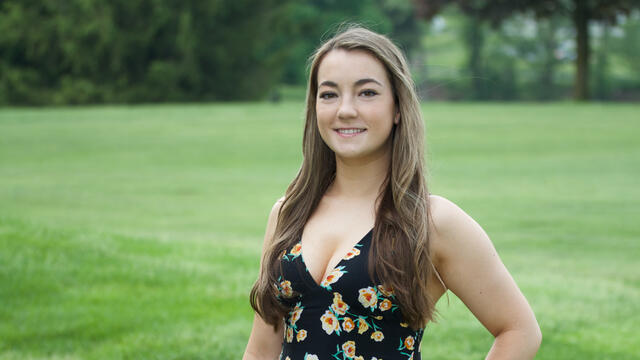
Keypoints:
pixel 357 252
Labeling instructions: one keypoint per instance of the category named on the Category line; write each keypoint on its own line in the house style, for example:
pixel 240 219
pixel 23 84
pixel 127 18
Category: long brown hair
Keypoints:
pixel 399 257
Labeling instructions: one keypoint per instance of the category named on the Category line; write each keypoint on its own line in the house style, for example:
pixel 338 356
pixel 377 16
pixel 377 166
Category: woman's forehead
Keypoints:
pixel 349 66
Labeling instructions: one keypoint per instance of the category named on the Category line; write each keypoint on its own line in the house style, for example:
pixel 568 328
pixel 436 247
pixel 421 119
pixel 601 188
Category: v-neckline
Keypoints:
pixel 306 268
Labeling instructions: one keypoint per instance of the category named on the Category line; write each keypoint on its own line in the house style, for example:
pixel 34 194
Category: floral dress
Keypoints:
pixel 346 316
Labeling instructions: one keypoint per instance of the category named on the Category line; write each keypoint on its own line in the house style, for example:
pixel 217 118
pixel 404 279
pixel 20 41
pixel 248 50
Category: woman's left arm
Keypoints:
pixel 471 268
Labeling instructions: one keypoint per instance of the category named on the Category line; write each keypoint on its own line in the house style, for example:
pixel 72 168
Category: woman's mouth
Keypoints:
pixel 349 132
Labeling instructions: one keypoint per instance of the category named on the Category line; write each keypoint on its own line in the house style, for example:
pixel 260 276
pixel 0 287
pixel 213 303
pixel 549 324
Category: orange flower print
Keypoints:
pixel 404 325
pixel 339 307
pixel 377 336
pixel 284 254
pixel 348 324
pixel 289 334
pixel 332 277
pixel 409 342
pixel 301 335
pixel 385 305
pixel 329 322
pixel 385 291
pixel 285 288
pixel 295 314
pixel 410 357
pixel 287 358
pixel 352 253
pixel 368 297
pixel 296 249
pixel 358 358
pixel 310 357
pixel 349 349
pixel 362 326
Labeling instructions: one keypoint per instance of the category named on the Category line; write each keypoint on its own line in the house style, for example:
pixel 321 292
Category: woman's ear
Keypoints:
pixel 396 120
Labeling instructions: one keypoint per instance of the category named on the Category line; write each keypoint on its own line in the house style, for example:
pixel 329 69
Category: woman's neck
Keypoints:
pixel 359 178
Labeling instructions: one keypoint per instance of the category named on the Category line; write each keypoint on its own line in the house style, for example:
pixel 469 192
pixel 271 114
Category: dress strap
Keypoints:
pixel 439 278
pixel 442 282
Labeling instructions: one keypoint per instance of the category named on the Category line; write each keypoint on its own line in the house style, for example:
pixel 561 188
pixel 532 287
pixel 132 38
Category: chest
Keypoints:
pixel 331 233
pixel 323 250
pixel 349 278
pixel 330 257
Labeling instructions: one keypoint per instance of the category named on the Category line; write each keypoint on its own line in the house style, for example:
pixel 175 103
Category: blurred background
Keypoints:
pixel 143 143
pixel 56 52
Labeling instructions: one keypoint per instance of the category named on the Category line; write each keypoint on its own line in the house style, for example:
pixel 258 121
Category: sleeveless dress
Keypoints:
pixel 346 316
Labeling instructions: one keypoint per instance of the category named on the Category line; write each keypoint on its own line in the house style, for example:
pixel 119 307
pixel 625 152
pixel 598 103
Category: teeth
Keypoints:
pixel 350 131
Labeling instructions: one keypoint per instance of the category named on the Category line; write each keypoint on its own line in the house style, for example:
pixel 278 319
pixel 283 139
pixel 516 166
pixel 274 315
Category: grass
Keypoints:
pixel 135 232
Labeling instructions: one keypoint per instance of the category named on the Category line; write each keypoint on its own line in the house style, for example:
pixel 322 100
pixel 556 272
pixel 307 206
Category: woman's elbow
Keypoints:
pixel 538 336
pixel 534 338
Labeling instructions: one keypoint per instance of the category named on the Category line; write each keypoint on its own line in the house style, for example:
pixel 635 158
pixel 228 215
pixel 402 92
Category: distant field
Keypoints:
pixel 135 232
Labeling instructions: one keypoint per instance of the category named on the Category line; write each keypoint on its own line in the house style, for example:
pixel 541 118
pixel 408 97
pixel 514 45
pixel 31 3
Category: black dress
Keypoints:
pixel 346 316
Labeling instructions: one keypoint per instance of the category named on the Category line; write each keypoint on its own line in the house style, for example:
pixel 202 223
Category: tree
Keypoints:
pixel 582 12
pixel 315 20
pixel 92 51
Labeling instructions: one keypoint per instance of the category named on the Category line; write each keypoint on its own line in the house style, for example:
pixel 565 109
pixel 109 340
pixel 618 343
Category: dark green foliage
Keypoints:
pixel 316 20
pixel 92 51
pixel 85 51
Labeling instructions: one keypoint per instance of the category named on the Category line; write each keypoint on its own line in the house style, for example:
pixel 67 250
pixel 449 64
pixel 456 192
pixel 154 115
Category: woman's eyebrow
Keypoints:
pixel 367 80
pixel 357 83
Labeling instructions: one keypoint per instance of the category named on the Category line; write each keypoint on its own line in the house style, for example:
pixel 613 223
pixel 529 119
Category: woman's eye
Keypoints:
pixel 369 93
pixel 326 95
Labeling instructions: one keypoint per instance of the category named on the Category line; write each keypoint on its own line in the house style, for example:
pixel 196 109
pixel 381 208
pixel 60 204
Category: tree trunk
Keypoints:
pixel 421 73
pixel 581 22
pixel 474 38
pixel 601 71
pixel 546 87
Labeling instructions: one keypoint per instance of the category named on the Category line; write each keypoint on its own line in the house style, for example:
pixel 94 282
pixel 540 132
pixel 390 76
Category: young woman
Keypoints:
pixel 358 252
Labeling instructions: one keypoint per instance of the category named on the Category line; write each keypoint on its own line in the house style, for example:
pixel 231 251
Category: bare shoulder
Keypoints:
pixel 443 213
pixel 272 222
pixel 452 229
pixel 276 207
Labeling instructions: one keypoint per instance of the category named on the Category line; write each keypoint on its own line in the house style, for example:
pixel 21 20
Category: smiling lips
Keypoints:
pixel 349 132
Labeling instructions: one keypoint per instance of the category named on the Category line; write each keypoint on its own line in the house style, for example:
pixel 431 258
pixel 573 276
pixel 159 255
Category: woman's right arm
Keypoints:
pixel 265 343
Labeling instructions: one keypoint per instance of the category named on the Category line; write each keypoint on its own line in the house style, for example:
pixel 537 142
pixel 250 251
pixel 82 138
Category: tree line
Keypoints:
pixel 581 12
pixel 129 51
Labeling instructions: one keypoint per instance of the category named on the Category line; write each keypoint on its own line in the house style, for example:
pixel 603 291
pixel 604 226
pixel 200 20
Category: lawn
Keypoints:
pixel 135 232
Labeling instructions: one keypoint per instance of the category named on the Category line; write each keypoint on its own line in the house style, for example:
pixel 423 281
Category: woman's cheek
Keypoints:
pixel 323 130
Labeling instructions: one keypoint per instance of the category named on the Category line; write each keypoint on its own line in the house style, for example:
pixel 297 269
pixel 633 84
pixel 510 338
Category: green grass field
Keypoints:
pixel 135 232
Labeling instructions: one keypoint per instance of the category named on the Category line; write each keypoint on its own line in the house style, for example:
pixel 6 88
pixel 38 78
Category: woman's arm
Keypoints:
pixel 265 343
pixel 472 269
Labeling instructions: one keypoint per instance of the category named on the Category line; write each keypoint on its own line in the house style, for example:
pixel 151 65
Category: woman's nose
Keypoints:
pixel 347 108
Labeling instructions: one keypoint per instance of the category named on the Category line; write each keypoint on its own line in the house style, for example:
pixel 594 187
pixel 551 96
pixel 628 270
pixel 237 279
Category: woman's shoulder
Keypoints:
pixel 277 205
pixel 275 209
pixel 451 228
pixel 443 213
pixel 272 221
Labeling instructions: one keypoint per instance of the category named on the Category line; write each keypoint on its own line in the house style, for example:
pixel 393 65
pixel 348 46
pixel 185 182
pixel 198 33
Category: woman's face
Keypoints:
pixel 355 104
